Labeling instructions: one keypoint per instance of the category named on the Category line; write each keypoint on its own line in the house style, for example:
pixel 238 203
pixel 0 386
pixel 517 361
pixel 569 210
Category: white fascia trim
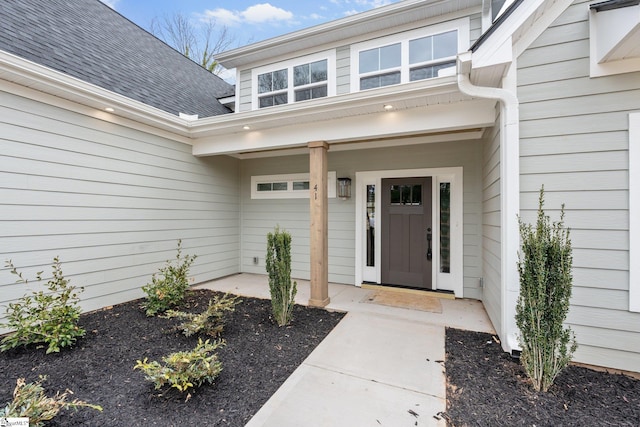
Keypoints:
pixel 598 65
pixel 32 75
pixel 509 192
pixel 539 13
pixel 634 211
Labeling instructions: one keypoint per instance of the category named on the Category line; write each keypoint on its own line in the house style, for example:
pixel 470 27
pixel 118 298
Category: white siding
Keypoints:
pixel 574 140
pixel 109 201
pixel 260 216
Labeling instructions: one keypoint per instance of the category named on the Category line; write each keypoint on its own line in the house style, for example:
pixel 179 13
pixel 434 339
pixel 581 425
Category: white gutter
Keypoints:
pixel 509 195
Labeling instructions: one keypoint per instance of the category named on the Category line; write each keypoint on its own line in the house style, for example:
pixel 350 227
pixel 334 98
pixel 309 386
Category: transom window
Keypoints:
pixel 288 186
pixel 294 81
pixel 406 57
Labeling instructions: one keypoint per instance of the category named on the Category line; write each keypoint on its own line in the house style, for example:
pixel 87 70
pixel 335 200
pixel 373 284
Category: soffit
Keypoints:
pixel 443 90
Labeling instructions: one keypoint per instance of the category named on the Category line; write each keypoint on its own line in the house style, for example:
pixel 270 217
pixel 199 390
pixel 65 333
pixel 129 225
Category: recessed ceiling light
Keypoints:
pixel 388 107
pixel 246 127
pixel 109 109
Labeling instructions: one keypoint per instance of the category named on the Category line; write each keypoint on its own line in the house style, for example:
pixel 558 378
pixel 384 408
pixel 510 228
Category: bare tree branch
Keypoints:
pixel 199 42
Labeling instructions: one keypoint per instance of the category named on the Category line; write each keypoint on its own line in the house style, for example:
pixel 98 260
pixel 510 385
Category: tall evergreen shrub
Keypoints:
pixel 545 290
pixel 278 261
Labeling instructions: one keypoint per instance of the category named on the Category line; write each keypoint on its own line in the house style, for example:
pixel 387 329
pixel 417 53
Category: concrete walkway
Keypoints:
pixel 381 366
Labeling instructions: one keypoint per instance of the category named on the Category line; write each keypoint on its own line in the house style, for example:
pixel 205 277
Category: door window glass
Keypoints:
pixel 371 225
pixel 445 227
pixel 406 195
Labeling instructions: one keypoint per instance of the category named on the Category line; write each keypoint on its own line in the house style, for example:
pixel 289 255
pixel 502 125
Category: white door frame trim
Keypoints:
pixel 452 281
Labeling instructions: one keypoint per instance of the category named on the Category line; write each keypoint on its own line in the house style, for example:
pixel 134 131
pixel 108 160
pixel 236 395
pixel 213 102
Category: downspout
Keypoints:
pixel 509 195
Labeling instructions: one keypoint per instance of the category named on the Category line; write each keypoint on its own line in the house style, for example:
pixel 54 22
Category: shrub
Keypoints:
pixel 282 290
pixel 169 286
pixel 185 369
pixel 50 318
pixel 30 401
pixel 545 290
pixel 211 321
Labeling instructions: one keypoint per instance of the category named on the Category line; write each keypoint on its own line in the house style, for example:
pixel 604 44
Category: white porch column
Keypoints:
pixel 319 213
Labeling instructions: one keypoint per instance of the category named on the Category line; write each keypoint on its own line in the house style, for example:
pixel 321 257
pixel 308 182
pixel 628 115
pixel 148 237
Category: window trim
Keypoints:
pixel 634 211
pixel 328 55
pixel 461 25
pixel 290 193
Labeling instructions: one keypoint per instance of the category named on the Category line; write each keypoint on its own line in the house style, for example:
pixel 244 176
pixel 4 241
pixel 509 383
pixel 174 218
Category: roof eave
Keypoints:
pixel 127 111
pixel 393 15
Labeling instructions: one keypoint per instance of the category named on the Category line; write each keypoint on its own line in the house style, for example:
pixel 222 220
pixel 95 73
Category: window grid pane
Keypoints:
pixel 300 185
pixel 301 75
pixel 445 45
pixel 369 60
pixel 390 56
pixel 318 71
pixel 280 186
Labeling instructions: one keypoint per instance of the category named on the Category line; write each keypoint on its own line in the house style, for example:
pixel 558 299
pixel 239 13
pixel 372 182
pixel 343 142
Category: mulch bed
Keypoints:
pixel 486 387
pixel 258 358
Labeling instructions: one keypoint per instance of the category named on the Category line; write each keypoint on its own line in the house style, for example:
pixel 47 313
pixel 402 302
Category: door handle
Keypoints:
pixel 429 255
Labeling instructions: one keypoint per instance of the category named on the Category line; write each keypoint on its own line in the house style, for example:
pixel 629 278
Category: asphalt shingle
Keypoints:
pixel 89 40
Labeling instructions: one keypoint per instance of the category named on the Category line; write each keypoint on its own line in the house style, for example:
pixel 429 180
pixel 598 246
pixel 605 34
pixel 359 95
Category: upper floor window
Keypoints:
pixel 272 88
pixel 310 80
pixel 405 57
pixel 297 80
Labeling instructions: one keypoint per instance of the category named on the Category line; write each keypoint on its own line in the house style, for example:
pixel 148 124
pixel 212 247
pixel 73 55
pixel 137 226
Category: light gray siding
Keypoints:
pixel 475 28
pixel 574 140
pixel 111 202
pixel 244 90
pixel 491 224
pixel 260 216
pixel 343 70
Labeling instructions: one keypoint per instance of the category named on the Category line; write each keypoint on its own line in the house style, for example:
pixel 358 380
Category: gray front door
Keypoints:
pixel 406 247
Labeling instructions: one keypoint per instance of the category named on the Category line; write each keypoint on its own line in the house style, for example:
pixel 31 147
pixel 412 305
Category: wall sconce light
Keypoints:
pixel 344 188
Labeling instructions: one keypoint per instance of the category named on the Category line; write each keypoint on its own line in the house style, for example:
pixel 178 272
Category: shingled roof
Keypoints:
pixel 89 40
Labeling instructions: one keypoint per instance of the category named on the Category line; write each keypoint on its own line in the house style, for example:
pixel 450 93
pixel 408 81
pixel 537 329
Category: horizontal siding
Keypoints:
pixel 244 91
pixel 574 140
pixel 475 28
pixel 491 226
pixel 111 202
pixel 343 70
pixel 259 217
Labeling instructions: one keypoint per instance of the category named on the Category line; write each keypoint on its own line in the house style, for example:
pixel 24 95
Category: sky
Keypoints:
pixel 248 21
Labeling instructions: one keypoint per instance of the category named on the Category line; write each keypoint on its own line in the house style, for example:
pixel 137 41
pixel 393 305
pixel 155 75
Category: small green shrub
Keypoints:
pixel 50 318
pixel 211 321
pixel 169 286
pixel 30 401
pixel 545 290
pixel 184 369
pixel 278 261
